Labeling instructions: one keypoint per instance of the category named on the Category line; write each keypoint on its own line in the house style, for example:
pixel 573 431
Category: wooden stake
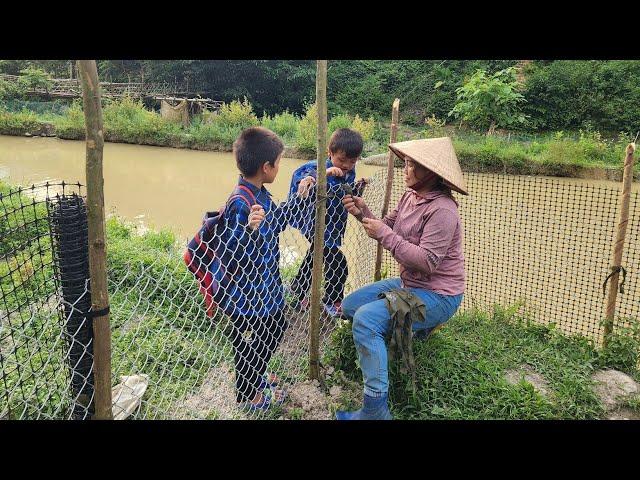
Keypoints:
pixel 616 258
pixel 88 74
pixel 321 208
pixel 395 109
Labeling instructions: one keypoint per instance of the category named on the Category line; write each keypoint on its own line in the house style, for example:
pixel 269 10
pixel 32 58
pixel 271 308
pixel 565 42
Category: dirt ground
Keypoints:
pixel 613 388
pixel 528 373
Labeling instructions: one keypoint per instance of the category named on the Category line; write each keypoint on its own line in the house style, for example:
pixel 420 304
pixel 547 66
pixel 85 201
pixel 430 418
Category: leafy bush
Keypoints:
pixel 10 89
pixel 366 128
pixel 18 123
pixel 238 115
pixel 434 127
pixel 212 135
pixel 588 149
pixel 623 348
pixel 339 121
pixel 33 78
pixel 129 121
pixel 490 101
pixel 71 124
pixel 285 124
pixel 570 94
pixel 306 134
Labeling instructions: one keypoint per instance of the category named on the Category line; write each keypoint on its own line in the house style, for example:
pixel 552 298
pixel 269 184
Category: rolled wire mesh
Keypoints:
pixel 36 368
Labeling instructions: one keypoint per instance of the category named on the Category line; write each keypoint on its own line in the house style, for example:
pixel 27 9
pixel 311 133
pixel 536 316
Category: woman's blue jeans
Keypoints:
pixel 371 322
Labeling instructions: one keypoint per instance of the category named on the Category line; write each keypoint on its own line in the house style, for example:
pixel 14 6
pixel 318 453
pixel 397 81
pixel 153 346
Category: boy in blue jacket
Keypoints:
pixel 345 148
pixel 256 301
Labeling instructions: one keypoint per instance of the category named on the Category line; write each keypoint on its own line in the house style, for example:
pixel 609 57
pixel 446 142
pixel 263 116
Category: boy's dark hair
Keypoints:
pixel 347 140
pixel 254 147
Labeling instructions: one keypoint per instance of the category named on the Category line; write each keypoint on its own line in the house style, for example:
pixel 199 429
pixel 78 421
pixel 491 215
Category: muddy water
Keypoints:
pixel 157 187
pixel 162 187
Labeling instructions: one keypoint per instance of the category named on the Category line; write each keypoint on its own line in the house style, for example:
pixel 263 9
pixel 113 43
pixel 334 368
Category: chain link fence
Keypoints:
pixel 543 241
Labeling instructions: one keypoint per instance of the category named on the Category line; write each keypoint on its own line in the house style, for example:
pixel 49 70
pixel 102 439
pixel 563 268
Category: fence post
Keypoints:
pixel 395 109
pixel 321 208
pixel 616 258
pixel 88 73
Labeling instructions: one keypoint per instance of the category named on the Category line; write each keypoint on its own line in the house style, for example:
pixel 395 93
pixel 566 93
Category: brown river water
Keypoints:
pixel 544 240
pixel 159 186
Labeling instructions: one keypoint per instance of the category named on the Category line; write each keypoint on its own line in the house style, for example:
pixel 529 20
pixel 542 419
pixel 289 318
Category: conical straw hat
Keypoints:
pixel 436 154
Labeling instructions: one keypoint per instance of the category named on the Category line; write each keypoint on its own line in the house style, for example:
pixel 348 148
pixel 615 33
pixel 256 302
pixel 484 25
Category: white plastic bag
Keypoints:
pixel 128 395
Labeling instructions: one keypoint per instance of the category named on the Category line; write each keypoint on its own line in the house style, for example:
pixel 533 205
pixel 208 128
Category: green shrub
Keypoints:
pixel 339 121
pixel 570 94
pixel 213 135
pixel 19 123
pixel 9 89
pixel 284 124
pixel 32 78
pixel 307 132
pixel 129 121
pixel 623 348
pixel 366 128
pixel 490 101
pixel 71 124
pixel 340 351
pixel 588 149
pixel 238 115
pixel 434 127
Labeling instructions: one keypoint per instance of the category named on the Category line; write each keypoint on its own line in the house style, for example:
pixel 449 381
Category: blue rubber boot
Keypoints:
pixel 373 408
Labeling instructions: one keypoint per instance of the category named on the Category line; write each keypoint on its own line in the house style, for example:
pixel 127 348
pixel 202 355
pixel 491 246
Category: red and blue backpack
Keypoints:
pixel 208 259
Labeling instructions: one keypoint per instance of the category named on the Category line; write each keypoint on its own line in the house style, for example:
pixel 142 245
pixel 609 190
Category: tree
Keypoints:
pixel 490 101
pixel 33 78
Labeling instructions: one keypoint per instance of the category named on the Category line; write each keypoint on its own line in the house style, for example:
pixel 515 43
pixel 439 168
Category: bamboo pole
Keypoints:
pixel 321 208
pixel 88 74
pixel 395 109
pixel 616 257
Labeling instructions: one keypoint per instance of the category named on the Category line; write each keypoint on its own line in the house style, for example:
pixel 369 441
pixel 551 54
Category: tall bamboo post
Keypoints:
pixel 395 109
pixel 88 74
pixel 321 208
pixel 616 258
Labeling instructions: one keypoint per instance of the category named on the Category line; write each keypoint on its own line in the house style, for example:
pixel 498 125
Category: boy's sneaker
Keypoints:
pixel 299 306
pixel 334 310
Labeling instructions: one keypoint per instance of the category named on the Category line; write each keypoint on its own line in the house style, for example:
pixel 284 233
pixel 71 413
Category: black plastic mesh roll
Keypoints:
pixel 71 250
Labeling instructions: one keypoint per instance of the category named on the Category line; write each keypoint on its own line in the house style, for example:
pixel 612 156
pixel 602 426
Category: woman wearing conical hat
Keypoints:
pixel 424 235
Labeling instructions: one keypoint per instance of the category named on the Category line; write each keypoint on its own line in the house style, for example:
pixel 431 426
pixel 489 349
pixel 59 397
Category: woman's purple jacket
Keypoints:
pixel 424 234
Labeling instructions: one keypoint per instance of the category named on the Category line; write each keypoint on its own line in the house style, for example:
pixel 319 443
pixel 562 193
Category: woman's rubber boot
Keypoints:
pixel 373 408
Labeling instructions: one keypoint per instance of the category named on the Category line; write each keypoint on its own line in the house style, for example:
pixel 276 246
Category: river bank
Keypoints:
pixel 468 160
pixel 469 163
pixel 584 154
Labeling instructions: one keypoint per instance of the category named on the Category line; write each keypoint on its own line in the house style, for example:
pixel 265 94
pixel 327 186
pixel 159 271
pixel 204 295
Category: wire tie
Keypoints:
pixel 98 313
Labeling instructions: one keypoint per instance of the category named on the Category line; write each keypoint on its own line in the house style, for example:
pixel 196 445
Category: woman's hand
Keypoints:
pixel 256 216
pixel 334 172
pixel 353 205
pixel 305 186
pixel 373 227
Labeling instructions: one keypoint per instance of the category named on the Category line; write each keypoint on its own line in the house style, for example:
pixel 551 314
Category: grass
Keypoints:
pixel 460 371
pixel 555 153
